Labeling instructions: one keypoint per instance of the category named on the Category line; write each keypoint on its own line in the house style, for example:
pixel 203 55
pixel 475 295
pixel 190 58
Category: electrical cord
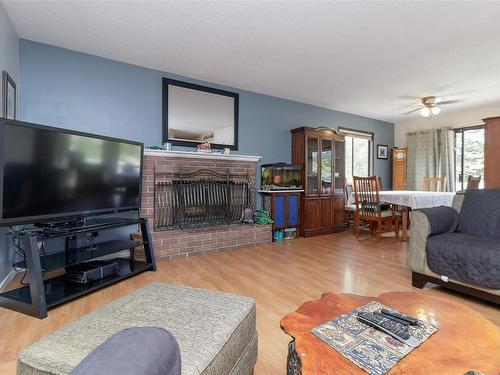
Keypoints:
pixel 90 245
pixel 42 249
pixel 19 251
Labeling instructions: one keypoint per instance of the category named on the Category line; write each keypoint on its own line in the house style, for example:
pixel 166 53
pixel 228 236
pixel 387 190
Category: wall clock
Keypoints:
pixel 400 155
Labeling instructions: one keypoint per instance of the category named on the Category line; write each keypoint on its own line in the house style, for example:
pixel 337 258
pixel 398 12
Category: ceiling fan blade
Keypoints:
pixel 444 102
pixel 410 97
pixel 413 110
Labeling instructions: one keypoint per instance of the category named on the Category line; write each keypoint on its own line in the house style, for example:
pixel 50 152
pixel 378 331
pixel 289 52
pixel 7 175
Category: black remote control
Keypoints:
pixel 390 327
pixel 401 321
pixel 401 316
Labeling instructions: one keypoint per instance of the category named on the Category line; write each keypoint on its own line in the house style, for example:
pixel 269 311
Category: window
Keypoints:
pixel 469 155
pixel 358 151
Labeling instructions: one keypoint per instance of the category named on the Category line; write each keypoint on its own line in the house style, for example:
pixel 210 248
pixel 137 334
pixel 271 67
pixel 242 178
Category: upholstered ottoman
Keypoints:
pixel 215 331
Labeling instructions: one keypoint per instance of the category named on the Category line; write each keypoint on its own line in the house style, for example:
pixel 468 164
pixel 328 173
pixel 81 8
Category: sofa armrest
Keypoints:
pixel 441 219
pixel 420 229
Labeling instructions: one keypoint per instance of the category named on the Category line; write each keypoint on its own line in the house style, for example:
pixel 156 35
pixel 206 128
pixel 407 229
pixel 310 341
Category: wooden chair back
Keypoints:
pixel 437 183
pixel 378 181
pixel 366 195
pixel 368 207
pixel 473 182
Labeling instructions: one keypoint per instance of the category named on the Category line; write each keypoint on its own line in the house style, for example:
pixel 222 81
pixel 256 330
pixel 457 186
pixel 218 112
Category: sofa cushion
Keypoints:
pixel 134 351
pixel 480 213
pixel 466 258
pixel 213 330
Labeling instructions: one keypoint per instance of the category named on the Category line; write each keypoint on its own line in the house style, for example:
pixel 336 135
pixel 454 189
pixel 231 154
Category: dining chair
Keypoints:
pixel 473 182
pixel 437 183
pixel 369 208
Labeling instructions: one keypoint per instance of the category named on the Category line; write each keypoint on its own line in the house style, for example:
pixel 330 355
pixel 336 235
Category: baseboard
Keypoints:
pixel 419 280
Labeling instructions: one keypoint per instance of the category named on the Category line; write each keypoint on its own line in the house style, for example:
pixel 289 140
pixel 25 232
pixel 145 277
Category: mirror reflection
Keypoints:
pixel 198 114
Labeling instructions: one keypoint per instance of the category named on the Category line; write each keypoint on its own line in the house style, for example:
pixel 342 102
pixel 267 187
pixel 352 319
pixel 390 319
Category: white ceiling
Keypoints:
pixel 367 58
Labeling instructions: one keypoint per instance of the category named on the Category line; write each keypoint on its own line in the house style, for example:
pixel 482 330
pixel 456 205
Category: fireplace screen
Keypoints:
pixel 199 199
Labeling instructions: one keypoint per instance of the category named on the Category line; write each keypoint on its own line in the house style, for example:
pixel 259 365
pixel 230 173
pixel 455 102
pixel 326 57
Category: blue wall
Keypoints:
pixel 84 92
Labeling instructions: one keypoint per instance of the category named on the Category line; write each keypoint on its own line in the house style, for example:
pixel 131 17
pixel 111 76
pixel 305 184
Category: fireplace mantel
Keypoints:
pixel 201 155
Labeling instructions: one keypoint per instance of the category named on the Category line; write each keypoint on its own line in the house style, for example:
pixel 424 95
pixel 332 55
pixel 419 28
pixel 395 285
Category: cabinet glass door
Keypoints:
pixel 312 165
pixel 326 167
pixel 339 167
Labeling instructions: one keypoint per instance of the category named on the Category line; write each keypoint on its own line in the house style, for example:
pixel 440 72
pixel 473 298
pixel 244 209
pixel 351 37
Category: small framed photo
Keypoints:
pixel 382 152
pixel 9 97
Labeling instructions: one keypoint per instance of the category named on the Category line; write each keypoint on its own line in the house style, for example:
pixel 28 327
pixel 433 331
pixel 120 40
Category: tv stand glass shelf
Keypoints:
pixel 49 291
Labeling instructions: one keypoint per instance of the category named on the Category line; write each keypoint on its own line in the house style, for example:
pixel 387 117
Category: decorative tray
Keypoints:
pixel 372 350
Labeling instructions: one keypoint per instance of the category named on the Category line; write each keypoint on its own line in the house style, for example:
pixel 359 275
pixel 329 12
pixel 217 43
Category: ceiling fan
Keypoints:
pixel 431 105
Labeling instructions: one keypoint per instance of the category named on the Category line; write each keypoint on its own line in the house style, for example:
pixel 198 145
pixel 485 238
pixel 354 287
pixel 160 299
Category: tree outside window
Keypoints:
pixel 469 155
pixel 358 146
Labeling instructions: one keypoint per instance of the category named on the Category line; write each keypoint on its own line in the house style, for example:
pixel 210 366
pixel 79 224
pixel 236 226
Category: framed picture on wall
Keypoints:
pixel 382 152
pixel 9 105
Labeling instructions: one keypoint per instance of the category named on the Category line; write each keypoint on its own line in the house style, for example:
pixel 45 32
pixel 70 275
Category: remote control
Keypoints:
pixel 401 316
pixel 401 321
pixel 390 327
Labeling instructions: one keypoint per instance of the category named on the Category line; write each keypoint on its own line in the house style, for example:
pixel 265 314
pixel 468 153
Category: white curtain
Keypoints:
pixel 431 153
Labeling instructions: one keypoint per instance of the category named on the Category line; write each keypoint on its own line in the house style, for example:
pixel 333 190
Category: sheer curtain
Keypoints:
pixel 431 153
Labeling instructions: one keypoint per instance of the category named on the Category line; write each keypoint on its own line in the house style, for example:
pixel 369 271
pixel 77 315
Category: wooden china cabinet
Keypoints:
pixel 321 152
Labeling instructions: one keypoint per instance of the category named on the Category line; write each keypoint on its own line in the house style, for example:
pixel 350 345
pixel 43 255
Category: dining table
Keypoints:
pixel 411 200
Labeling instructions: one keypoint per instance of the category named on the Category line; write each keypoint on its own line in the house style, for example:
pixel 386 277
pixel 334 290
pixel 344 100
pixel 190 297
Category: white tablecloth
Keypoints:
pixel 413 199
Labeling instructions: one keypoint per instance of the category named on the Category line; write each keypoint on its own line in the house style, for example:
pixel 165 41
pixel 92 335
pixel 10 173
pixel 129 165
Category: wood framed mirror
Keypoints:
pixel 194 114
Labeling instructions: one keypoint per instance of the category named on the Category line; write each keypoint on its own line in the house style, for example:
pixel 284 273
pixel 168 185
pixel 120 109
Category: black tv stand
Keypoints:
pixel 42 293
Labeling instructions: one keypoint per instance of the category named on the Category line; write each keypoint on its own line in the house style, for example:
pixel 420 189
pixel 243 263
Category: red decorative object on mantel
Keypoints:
pixel 204 147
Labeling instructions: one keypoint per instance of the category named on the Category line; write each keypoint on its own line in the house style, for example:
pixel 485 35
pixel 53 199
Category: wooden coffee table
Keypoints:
pixel 466 340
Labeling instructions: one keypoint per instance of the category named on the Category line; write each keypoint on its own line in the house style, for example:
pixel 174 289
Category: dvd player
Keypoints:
pixel 85 273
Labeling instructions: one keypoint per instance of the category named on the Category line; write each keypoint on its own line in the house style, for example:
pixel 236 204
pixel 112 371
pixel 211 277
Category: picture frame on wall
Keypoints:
pixel 382 152
pixel 9 97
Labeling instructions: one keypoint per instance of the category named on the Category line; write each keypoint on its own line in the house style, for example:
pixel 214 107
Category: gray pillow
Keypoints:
pixel 134 351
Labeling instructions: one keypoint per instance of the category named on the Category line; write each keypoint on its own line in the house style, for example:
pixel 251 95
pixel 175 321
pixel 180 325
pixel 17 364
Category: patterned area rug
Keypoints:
pixel 372 350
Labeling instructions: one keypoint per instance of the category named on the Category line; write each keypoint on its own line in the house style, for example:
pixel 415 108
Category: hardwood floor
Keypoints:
pixel 279 277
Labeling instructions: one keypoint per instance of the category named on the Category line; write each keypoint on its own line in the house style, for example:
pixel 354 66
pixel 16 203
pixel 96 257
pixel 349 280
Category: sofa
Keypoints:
pixel 215 331
pixel 458 247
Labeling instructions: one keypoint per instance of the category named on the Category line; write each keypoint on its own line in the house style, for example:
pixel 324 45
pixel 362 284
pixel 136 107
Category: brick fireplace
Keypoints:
pixel 182 242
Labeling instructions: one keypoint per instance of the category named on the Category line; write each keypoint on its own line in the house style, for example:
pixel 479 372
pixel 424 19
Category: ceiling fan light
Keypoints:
pixel 425 112
pixel 435 110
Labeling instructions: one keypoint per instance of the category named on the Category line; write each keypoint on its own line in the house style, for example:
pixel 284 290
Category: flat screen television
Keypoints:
pixel 49 173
